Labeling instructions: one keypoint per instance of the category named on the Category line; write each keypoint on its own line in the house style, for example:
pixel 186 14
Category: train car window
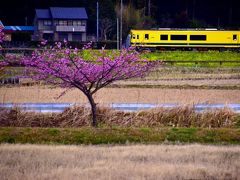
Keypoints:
pixel 164 37
pixel 133 36
pixel 179 37
pixel 137 36
pixel 198 37
pixel 234 37
pixel 147 36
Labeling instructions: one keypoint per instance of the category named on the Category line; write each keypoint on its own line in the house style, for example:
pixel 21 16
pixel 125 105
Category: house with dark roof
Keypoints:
pixel 59 23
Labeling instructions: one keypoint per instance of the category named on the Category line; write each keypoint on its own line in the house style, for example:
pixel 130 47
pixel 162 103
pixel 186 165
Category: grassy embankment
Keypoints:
pixel 154 126
pixel 200 59
pixel 118 135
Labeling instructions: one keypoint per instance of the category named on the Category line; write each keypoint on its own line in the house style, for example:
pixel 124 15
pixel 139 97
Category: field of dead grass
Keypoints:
pixel 41 94
pixel 184 82
pixel 119 162
pixel 168 85
pixel 208 77
pixel 194 73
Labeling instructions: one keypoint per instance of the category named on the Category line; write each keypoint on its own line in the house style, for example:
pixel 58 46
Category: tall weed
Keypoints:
pixel 157 117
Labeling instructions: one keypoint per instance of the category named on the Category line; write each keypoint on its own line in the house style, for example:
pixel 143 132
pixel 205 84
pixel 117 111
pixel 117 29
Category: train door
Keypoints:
pixel 146 38
pixel 138 38
pixel 235 38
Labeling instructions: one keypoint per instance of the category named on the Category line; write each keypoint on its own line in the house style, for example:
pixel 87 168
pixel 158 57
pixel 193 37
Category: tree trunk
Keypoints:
pixel 105 36
pixel 93 109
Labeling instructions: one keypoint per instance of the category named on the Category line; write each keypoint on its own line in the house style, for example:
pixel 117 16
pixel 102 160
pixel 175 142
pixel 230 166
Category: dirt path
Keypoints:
pixel 119 95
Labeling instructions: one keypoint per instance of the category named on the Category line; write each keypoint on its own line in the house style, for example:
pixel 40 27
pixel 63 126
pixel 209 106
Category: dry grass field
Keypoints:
pixel 41 94
pixel 182 82
pixel 119 162
pixel 209 85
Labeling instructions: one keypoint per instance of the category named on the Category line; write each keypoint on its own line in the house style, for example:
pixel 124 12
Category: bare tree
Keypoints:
pixel 106 27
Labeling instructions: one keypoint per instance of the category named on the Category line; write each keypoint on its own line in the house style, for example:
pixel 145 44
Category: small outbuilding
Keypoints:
pixel 18 33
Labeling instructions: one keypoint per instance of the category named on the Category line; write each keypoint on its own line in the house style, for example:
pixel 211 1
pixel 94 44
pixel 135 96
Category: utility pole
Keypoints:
pixel 121 24
pixel 218 22
pixel 26 21
pixel 193 13
pixel 97 21
pixel 117 34
pixel 149 8
pixel 230 15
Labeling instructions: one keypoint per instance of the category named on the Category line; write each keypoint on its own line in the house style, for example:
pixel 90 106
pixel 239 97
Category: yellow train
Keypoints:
pixel 187 39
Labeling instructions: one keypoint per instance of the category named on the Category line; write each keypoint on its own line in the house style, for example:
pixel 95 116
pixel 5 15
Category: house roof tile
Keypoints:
pixel 68 13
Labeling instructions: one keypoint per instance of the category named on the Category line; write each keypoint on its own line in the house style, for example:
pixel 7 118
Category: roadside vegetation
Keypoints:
pixel 76 117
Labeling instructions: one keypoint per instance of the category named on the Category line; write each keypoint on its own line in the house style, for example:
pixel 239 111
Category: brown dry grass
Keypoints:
pixel 182 82
pixel 194 73
pixel 159 117
pixel 119 162
pixel 39 94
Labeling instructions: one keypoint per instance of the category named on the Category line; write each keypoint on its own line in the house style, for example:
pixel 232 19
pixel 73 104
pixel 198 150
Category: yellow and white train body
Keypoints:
pixel 185 39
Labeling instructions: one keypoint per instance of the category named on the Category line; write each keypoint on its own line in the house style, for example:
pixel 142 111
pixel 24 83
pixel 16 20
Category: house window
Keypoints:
pixel 83 23
pixel 70 23
pixel 234 37
pixel 198 37
pixel 164 37
pixel 62 23
pixel 146 36
pixel 76 23
pixel 179 37
pixel 47 22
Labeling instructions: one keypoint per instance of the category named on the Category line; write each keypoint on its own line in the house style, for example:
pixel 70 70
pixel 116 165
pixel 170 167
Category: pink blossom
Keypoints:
pixel 44 42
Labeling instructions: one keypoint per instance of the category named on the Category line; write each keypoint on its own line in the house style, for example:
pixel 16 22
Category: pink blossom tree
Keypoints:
pixel 86 70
